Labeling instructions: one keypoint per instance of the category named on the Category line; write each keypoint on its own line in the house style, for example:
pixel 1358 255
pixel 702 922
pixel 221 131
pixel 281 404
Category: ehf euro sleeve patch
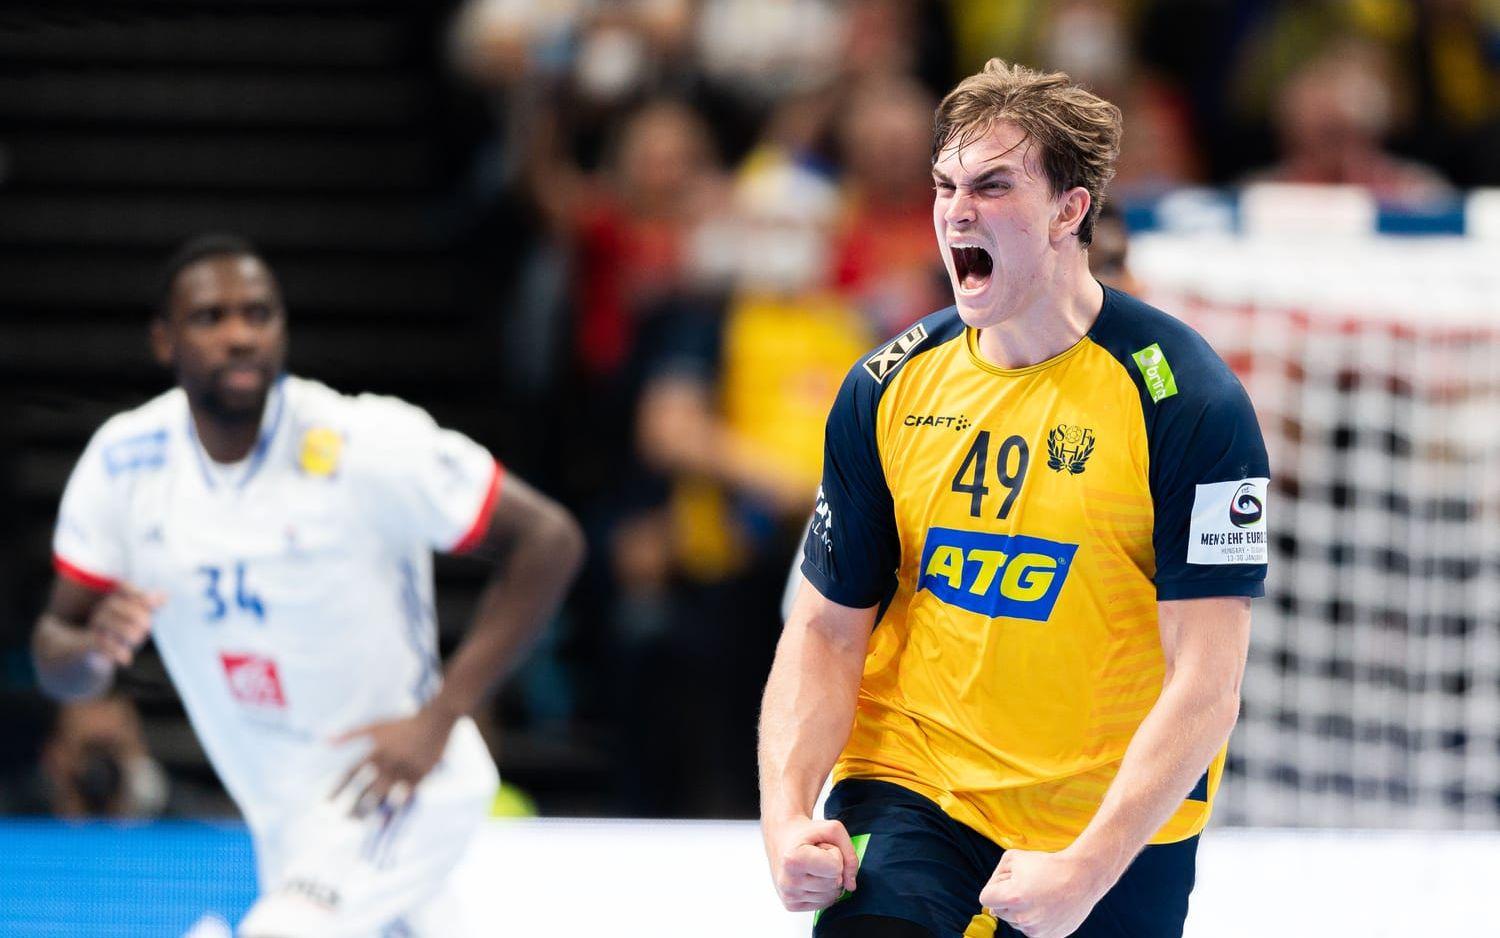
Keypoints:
pixel 1229 523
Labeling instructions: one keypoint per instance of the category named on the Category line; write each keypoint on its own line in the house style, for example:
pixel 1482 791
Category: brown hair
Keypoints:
pixel 1078 131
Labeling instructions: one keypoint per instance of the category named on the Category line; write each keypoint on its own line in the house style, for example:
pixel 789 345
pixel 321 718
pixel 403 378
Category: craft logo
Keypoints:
pixel 883 362
pixel 1245 510
pixel 995 574
pixel 1160 381
pixel 253 679
pixel 935 420
pixel 1069 448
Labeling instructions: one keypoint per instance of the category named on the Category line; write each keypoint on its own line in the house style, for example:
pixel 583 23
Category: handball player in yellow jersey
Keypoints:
pixel 1026 601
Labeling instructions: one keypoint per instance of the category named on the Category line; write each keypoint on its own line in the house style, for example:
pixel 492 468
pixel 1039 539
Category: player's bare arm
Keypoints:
pixel 84 634
pixel 805 720
pixel 1205 642
pixel 538 548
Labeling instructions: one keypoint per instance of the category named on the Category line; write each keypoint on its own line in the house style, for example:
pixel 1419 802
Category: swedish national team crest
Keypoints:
pixel 1069 448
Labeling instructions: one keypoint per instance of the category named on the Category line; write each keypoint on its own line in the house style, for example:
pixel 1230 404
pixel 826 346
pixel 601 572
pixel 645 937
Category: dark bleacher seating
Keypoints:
pixel 314 128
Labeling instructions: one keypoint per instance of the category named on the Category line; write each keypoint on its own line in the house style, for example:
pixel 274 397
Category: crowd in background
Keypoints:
pixel 725 202
pixel 691 218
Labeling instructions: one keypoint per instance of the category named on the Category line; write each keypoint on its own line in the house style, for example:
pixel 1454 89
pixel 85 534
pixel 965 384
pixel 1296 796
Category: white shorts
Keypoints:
pixel 326 874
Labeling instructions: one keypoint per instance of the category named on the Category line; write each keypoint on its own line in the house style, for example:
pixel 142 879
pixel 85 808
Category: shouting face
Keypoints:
pixel 999 224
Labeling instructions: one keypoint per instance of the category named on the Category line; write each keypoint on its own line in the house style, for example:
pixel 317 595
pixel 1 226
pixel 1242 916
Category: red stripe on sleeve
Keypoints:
pixel 481 525
pixel 82 577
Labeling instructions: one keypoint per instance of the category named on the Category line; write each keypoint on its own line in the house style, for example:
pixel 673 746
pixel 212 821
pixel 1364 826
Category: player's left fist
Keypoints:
pixel 401 753
pixel 1043 895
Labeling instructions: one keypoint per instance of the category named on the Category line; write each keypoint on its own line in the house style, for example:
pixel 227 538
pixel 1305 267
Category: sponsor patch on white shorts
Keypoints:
pixel 1229 523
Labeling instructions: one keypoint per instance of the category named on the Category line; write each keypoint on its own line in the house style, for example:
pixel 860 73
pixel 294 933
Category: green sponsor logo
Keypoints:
pixel 859 842
pixel 1156 371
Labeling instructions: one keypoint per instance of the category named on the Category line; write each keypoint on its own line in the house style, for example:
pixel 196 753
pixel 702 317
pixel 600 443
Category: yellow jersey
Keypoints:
pixel 1016 529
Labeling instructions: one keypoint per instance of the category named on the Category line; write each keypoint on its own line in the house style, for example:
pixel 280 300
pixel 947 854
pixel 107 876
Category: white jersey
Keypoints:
pixel 299 582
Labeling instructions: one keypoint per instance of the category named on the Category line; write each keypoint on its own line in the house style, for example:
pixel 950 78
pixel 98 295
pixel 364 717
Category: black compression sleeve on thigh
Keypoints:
pixel 874 926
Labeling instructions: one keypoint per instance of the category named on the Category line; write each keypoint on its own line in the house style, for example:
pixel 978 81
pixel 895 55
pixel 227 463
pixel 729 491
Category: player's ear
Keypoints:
pixel 162 346
pixel 1072 209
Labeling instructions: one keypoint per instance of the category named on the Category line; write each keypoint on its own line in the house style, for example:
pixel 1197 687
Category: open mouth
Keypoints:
pixel 972 265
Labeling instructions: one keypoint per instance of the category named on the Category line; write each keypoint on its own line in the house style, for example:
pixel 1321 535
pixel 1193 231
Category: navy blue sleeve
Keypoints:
pixel 1209 475
pixel 853 549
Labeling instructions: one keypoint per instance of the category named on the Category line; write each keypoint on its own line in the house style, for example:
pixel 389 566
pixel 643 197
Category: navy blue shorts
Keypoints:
pixel 922 866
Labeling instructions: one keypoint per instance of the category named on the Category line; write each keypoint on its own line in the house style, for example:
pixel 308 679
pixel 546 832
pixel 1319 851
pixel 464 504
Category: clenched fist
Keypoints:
pixel 1043 895
pixel 121 623
pixel 812 862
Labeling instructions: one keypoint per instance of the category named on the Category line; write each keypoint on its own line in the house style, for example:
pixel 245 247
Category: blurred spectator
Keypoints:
pixel 1193 47
pixel 775 71
pixel 615 243
pixel 1333 118
pixel 1090 41
pixel 900 38
pixel 766 49
pixel 1454 51
pixel 731 416
pixel 499 42
pixel 626 226
pixel 1456 45
pixel 95 763
pixel 1109 252
pixel 987 28
pixel 885 255
pixel 572 86
pixel 753 57
pixel 1231 62
pixel 785 342
pixel 596 55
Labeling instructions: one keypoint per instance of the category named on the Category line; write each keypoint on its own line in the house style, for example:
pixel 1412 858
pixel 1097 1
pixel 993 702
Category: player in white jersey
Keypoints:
pixel 275 538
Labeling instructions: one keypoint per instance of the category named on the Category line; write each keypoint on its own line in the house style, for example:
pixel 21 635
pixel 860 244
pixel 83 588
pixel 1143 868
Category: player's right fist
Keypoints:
pixel 121 623
pixel 812 862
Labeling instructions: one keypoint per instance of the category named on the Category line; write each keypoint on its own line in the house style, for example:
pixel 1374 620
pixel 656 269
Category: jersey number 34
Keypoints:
pixel 245 598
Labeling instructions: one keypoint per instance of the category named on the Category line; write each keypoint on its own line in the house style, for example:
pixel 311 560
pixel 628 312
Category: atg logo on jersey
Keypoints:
pixel 995 574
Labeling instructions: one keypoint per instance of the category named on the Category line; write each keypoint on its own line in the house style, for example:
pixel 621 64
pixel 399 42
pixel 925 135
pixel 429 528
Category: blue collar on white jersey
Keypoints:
pixel 270 422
